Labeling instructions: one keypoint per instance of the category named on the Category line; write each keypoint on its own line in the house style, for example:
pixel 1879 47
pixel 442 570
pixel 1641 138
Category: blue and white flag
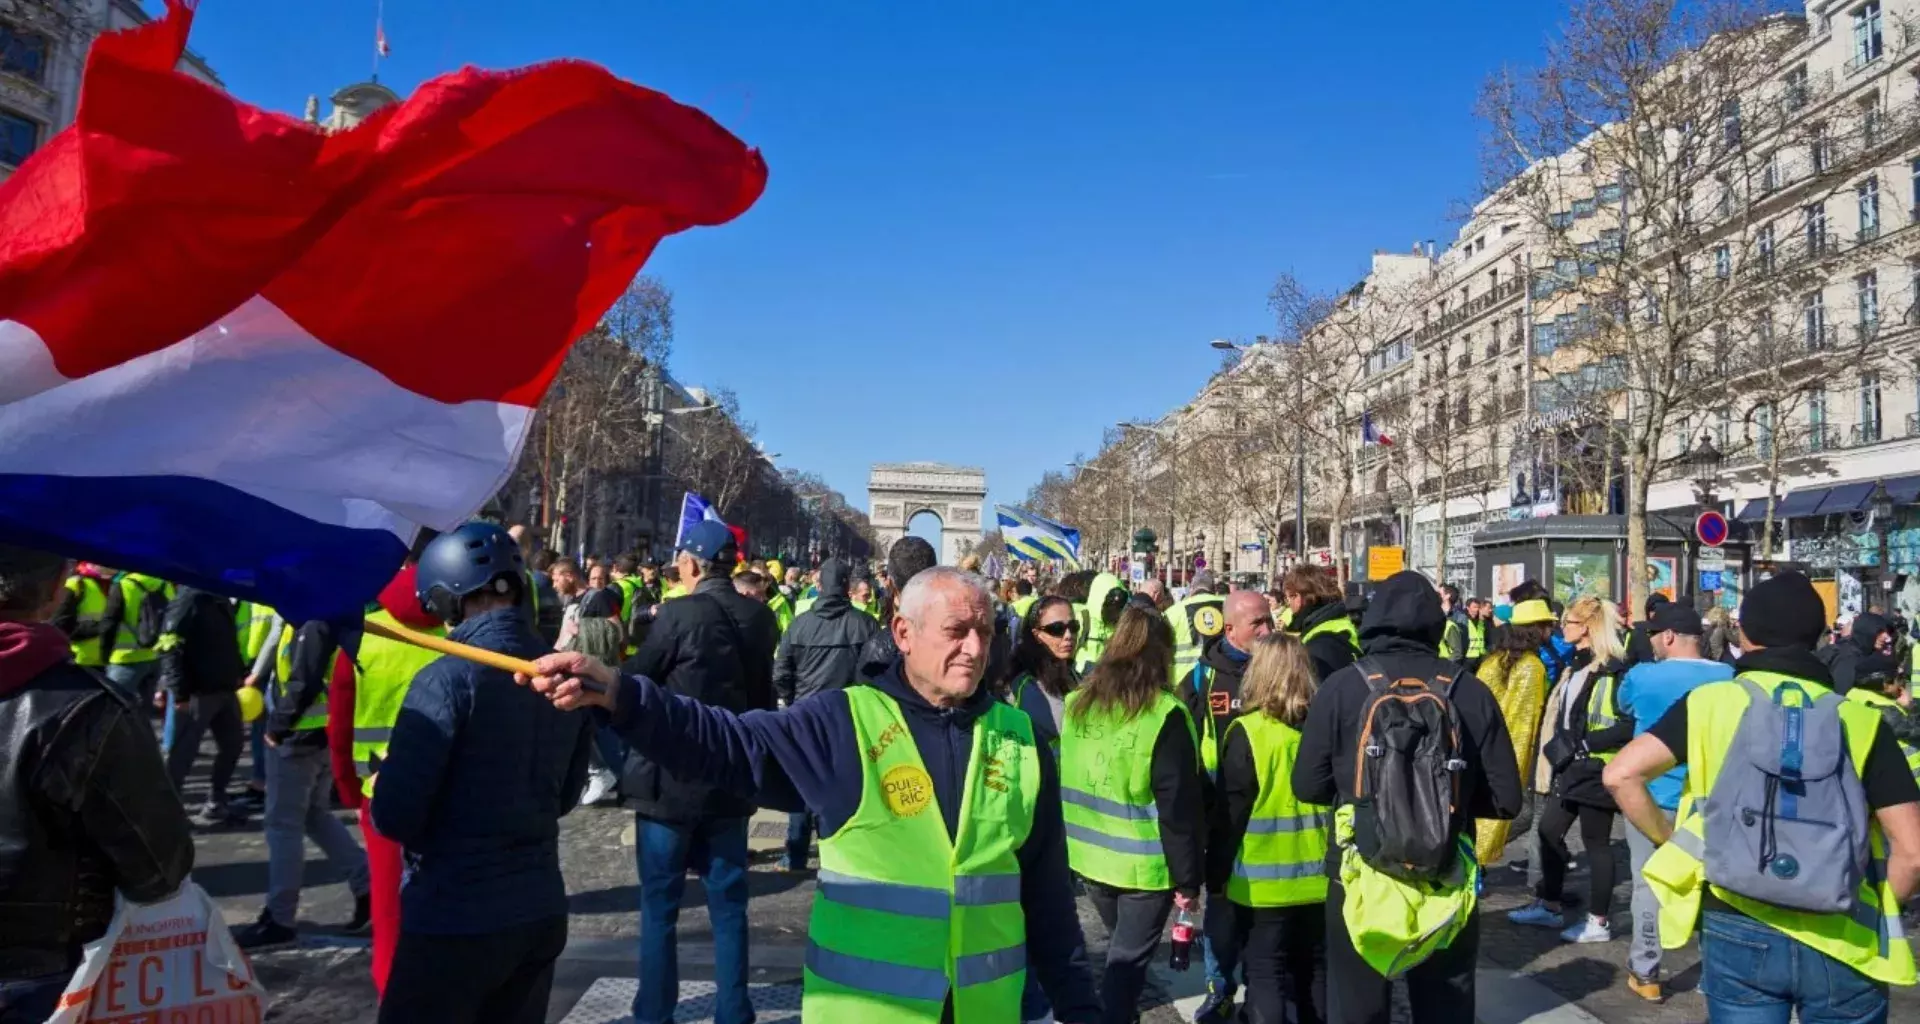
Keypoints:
pixel 693 509
pixel 1033 538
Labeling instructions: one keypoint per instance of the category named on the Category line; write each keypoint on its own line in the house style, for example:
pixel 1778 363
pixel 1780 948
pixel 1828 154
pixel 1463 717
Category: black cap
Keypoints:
pixel 1784 611
pixel 1676 617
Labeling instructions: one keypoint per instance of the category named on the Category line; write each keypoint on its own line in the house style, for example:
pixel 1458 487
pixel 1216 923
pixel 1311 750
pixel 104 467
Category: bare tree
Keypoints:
pixel 1644 154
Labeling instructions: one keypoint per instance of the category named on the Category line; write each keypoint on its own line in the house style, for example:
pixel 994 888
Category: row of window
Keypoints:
pixel 1764 421
pixel 23 54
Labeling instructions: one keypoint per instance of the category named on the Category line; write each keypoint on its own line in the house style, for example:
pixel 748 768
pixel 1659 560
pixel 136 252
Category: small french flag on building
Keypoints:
pixel 1370 432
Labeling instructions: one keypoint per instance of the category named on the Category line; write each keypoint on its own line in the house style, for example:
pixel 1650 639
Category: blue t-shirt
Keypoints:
pixel 1650 690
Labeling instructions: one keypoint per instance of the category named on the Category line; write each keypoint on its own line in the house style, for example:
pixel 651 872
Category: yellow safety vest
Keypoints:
pixel 1106 787
pixel 1022 605
pixel 1476 639
pixel 1877 702
pixel 1283 854
pixel 1343 626
pixel 1600 708
pixel 136 588
pixel 1209 744
pixel 382 673
pixel 253 623
pixel 316 716
pixel 1869 939
pixel 905 917
pixel 1196 620
pixel 91 603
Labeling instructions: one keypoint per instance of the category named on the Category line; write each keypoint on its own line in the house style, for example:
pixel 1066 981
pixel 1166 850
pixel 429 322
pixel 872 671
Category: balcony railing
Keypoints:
pixel 1865 59
pixel 1864 333
pixel 1474 307
pixel 1913 424
pixel 1819 338
pixel 1825 437
pixel 1866 433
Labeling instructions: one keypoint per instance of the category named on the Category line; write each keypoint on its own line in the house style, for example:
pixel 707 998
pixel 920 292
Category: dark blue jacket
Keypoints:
pixel 474 784
pixel 806 758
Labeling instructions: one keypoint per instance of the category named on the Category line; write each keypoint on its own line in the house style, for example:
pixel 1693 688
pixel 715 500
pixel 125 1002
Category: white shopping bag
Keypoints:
pixel 161 963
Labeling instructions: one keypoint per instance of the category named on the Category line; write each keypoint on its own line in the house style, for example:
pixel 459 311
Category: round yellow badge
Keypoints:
pixel 908 790
pixel 1208 621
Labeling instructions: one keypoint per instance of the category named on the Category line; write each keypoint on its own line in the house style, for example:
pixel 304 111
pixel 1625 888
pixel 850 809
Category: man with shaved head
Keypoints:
pixel 888 768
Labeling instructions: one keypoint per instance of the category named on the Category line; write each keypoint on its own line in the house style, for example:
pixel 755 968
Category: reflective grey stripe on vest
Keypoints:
pixel 887 897
pixel 980 968
pixel 1297 823
pixel 1111 808
pixel 1689 844
pixel 1280 872
pixel 378 735
pixel 1144 847
pixel 985 890
pixel 878 976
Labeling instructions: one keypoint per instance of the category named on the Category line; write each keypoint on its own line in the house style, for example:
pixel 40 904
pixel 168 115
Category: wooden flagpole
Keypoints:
pixel 466 652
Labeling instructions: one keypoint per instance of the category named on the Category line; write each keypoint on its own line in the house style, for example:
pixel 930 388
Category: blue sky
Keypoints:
pixel 992 228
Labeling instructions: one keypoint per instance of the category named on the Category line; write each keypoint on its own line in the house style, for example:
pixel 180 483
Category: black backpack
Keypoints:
pixel 1407 776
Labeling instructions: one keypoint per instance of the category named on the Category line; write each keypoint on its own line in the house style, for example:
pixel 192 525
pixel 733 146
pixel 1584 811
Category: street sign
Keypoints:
pixel 1710 528
pixel 1713 560
pixel 1383 562
pixel 1710 580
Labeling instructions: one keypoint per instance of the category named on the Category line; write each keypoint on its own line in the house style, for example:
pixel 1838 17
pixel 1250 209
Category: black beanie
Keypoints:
pixel 1784 611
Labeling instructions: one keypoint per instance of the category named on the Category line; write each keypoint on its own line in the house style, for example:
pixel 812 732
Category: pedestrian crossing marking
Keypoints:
pixel 610 1001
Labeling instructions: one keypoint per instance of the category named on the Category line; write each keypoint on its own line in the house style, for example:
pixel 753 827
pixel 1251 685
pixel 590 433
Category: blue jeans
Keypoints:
pixel 31 1000
pixel 799 839
pixel 1755 974
pixel 717 851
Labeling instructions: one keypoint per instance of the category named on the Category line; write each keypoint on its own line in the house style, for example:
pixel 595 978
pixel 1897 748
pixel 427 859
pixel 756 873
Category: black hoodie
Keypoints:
pixel 821 649
pixel 1401 634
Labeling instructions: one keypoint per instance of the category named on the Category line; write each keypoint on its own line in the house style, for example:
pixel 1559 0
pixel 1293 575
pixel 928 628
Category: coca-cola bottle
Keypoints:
pixel 1182 954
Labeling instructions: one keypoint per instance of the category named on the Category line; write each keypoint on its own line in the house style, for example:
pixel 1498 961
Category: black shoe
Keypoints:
pixel 362 916
pixel 265 933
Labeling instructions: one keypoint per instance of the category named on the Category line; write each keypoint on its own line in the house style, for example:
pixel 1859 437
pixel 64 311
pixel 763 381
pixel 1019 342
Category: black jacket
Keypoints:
pixel 1842 657
pixel 1401 633
pixel 821 649
pixel 85 809
pixel 1330 651
pixel 310 665
pixel 715 645
pixel 200 646
pixel 1580 781
pixel 1225 693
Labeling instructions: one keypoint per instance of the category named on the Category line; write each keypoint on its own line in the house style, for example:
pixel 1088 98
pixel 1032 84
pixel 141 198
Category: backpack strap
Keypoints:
pixel 1371 672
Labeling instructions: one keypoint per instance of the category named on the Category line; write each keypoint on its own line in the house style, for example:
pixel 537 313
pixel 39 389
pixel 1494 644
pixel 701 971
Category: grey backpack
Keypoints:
pixel 1786 821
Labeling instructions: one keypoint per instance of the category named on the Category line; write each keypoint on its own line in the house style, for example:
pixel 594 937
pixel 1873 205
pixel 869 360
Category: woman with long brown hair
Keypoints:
pixel 1130 784
pixel 1267 852
pixel 1043 672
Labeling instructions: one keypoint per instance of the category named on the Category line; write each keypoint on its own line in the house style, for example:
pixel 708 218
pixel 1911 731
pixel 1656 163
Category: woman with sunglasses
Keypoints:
pixel 1043 672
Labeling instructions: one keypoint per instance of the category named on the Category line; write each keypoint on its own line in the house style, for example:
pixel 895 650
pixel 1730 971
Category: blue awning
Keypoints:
pixel 1799 503
pixel 1905 490
pixel 1846 498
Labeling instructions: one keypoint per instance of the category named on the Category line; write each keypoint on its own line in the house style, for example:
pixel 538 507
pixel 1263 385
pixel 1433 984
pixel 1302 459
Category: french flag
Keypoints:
pixel 1370 432
pixel 240 353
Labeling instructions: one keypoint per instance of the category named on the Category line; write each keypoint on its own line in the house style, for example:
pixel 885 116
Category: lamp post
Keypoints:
pixel 1173 484
pixel 1705 461
pixel 1199 554
pixel 1880 504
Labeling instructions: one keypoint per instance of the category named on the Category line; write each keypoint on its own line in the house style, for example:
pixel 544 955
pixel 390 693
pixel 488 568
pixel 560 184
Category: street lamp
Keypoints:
pixel 1880 505
pixel 1159 434
pixel 1704 461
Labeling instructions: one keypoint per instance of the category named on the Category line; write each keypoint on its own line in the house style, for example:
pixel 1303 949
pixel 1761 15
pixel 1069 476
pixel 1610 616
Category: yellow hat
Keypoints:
pixel 1531 613
pixel 774 567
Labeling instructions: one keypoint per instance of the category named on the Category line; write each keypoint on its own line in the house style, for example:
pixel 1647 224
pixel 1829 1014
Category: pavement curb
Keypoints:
pixel 1505 997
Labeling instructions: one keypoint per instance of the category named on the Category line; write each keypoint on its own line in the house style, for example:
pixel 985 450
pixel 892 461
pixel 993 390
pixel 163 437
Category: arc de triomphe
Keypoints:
pixel 898 491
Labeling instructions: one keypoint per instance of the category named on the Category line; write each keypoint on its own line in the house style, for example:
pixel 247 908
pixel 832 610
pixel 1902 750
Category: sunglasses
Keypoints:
pixel 1059 629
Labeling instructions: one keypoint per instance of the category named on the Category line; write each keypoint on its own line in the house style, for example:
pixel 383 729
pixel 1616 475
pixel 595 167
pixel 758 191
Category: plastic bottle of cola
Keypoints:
pixel 1182 954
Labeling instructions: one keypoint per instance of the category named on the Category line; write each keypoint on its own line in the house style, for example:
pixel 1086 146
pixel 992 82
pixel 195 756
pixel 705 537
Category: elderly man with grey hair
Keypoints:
pixel 85 806
pixel 943 860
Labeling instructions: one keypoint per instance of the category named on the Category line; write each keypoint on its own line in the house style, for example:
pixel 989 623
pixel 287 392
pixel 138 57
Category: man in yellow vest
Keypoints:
pixel 364 704
pixel 1320 618
pixel 1779 728
pixel 82 613
pixel 136 606
pixel 921 912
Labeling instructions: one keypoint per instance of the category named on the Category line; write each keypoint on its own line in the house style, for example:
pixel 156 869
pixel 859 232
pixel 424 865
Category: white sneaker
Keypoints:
pixel 1537 915
pixel 600 786
pixel 1594 929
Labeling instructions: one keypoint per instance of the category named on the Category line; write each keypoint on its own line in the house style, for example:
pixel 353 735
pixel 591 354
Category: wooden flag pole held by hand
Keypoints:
pixel 467 652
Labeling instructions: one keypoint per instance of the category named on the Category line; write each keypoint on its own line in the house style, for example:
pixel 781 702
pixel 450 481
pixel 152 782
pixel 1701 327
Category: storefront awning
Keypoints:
pixel 1828 501
pixel 1803 502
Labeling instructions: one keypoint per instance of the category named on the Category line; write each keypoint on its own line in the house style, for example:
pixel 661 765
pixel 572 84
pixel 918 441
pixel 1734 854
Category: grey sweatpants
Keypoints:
pixel 1643 956
pixel 298 780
